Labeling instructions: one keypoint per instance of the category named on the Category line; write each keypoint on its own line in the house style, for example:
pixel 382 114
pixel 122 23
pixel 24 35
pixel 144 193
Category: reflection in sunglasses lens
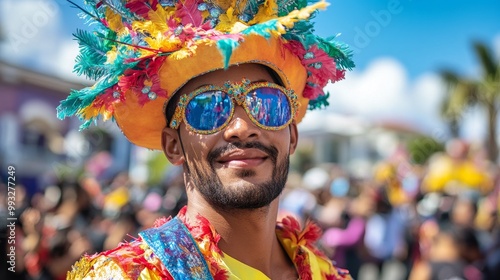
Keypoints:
pixel 208 110
pixel 211 109
pixel 269 106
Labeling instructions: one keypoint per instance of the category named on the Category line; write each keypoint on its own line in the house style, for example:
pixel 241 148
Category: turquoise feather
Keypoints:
pixel 92 57
pixel 80 99
pixel 118 7
pixel 286 6
pixel 343 56
pixel 226 48
pixel 300 32
pixel 262 29
pixel 320 102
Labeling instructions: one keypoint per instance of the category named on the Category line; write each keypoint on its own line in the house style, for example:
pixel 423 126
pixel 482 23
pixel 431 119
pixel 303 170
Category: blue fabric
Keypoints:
pixel 173 245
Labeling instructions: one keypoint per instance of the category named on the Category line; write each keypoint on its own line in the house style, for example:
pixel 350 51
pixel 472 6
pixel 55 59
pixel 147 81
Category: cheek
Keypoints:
pixel 197 146
pixel 283 143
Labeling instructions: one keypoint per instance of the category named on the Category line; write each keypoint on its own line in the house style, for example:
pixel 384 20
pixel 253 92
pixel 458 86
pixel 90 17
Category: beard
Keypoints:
pixel 208 183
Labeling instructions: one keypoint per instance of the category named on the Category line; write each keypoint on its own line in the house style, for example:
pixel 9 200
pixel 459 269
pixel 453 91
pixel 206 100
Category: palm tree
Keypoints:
pixel 466 93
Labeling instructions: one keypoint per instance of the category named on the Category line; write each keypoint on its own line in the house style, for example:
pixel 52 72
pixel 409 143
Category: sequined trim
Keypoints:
pixel 237 92
pixel 173 245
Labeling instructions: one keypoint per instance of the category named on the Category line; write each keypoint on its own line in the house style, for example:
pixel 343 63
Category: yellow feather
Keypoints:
pixel 226 21
pixel 114 20
pixel 238 27
pixel 162 43
pixel 89 112
pixel 160 16
pixel 304 13
pixel 111 55
pixel 224 4
pixel 106 115
pixel 266 12
pixel 144 27
pixel 181 54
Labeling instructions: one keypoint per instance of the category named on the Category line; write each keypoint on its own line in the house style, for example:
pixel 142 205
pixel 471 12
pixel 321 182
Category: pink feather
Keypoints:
pixel 188 12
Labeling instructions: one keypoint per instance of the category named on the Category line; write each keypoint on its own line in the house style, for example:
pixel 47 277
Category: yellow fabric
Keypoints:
pixel 103 268
pixel 318 265
pixel 241 271
pixel 147 274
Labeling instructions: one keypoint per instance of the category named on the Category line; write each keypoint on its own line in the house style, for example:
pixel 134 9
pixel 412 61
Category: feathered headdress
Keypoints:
pixel 142 51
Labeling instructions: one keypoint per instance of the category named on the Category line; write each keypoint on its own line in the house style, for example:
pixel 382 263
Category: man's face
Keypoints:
pixel 241 166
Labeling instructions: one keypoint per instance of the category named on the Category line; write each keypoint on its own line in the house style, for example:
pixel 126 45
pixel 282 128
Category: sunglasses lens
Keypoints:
pixel 269 106
pixel 208 110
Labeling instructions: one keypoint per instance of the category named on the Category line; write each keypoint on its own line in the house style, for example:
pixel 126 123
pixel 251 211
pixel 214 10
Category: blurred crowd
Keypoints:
pixel 437 220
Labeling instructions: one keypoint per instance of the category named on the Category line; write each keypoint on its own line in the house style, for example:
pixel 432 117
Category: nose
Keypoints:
pixel 241 128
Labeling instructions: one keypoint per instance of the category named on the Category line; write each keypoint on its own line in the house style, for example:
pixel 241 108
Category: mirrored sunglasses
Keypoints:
pixel 210 108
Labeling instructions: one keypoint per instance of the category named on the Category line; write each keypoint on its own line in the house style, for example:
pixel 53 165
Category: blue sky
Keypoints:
pixel 424 35
pixel 399 47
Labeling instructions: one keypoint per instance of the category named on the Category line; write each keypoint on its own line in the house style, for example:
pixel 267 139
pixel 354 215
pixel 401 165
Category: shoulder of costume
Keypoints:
pixel 300 244
pixel 131 260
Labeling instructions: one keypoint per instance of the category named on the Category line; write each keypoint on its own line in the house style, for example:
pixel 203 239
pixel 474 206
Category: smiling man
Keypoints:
pixel 219 86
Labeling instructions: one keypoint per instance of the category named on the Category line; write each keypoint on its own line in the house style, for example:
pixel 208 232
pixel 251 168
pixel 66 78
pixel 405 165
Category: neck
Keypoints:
pixel 246 235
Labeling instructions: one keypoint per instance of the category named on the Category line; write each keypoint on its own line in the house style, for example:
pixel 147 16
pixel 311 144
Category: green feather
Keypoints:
pixel 286 6
pixel 90 62
pixel 80 99
pixel 320 102
pixel 341 53
pixel 226 47
pixel 252 8
pixel 301 31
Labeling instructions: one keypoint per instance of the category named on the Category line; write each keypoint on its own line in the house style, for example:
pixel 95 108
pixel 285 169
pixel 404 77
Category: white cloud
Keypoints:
pixel 383 91
pixel 33 37
pixel 65 60
pixel 31 29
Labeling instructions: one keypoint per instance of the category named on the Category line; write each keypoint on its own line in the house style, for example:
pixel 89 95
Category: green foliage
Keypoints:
pixel 303 158
pixel 157 166
pixel 465 93
pixel 422 147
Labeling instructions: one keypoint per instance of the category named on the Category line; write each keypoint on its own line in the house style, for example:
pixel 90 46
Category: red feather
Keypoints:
pixel 188 12
pixel 142 7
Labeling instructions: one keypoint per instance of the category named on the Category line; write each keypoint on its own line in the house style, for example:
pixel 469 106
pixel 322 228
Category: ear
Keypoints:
pixel 294 137
pixel 171 146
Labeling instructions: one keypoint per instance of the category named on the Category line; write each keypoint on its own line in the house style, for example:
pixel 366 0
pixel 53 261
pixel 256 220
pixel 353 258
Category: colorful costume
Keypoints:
pixel 165 251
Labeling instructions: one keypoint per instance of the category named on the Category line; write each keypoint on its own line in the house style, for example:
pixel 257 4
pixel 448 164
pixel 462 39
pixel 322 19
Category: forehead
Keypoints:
pixel 253 72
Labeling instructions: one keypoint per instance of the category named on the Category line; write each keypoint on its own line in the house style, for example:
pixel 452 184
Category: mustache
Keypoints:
pixel 271 151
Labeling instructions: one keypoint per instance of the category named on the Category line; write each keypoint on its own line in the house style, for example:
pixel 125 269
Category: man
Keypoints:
pixel 178 55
